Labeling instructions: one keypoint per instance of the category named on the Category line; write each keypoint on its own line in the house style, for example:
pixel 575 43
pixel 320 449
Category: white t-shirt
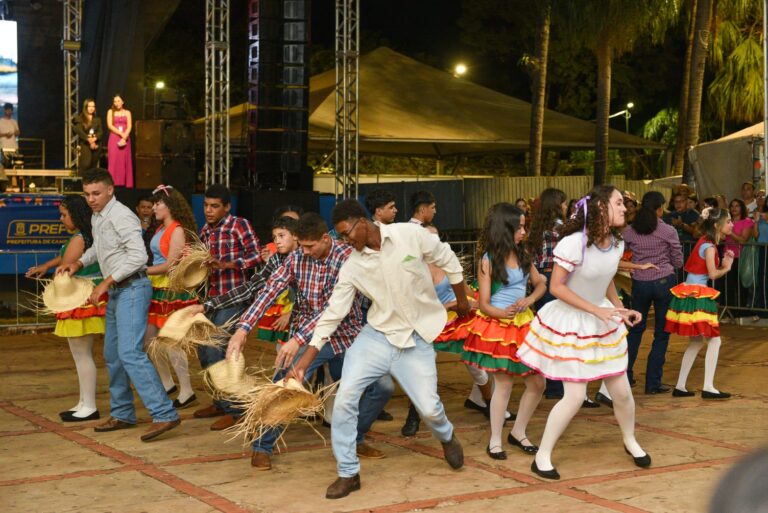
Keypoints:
pixel 751 206
pixel 6 126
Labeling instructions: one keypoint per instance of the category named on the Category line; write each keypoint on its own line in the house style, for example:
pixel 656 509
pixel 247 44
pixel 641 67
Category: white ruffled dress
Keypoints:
pixel 568 344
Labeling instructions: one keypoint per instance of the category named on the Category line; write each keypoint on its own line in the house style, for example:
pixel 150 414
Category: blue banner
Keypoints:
pixel 31 222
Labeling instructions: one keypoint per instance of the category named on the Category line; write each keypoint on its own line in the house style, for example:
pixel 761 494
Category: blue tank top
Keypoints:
pixel 505 295
pixel 154 246
pixel 445 291
pixel 699 279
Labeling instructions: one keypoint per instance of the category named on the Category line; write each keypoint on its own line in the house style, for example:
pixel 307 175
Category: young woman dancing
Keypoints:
pixel 580 337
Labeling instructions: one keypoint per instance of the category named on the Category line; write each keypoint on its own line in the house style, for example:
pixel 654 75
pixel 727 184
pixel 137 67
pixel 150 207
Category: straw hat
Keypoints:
pixel 64 292
pixel 229 377
pixel 180 322
pixel 191 271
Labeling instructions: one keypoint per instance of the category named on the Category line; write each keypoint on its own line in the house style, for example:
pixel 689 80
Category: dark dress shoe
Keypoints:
pixel 640 461
pixel 682 393
pixel 528 449
pixel 158 428
pixel 184 404
pixel 603 399
pixel 343 486
pixel 589 403
pixel 384 416
pixel 171 390
pixel 261 460
pixel 112 424
pixel 661 389
pixel 546 474
pixel 453 452
pixel 501 455
pixel 70 417
pixel 714 395
pixel 411 426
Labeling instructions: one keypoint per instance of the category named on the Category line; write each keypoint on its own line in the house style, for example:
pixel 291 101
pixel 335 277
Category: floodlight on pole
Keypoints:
pixel 626 113
pixel 160 85
pixel 459 70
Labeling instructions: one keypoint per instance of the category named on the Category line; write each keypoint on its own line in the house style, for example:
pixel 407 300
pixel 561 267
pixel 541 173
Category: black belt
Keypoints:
pixel 128 279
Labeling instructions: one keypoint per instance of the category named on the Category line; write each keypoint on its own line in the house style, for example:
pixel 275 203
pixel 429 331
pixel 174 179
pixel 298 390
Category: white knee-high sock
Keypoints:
pixel 82 352
pixel 180 365
pixel 558 420
pixel 479 376
pixel 534 389
pixel 499 403
pixel 624 411
pixel 694 346
pixel 161 360
pixel 710 364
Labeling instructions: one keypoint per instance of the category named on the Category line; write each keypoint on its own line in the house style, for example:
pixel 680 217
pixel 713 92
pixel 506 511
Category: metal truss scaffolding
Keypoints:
pixel 70 47
pixel 347 116
pixel 216 92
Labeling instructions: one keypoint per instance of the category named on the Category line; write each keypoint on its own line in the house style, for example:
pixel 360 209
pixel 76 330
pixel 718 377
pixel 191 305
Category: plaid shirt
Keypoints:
pixel 246 293
pixel 545 258
pixel 232 240
pixel 314 281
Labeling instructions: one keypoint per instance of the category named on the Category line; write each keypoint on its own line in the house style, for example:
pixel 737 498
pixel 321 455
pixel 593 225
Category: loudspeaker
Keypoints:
pixel 156 137
pixel 259 206
pixel 178 172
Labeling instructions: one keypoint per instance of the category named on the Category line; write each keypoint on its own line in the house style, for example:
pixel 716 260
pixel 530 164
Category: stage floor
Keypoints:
pixel 55 467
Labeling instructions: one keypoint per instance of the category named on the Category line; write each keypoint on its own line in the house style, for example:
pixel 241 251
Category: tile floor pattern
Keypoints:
pixel 50 466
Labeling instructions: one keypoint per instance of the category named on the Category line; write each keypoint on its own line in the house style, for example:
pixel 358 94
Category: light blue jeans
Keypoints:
pixel 209 355
pixel 376 396
pixel 126 360
pixel 369 358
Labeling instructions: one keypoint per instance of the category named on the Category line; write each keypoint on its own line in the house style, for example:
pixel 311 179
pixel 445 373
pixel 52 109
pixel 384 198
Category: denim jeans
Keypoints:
pixel 126 324
pixel 643 294
pixel 376 396
pixel 369 358
pixel 209 355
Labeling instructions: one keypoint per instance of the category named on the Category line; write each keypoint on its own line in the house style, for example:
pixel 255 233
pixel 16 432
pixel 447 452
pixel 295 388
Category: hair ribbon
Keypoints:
pixel 165 188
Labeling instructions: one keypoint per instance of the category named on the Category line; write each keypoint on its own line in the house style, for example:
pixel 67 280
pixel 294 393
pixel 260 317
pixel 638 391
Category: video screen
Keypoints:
pixel 9 74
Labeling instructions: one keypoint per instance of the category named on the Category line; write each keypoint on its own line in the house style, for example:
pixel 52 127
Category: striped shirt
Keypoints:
pixel 314 281
pixel 232 240
pixel 661 248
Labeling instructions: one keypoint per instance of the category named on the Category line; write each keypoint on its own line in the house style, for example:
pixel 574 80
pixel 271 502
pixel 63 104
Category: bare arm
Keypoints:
pixel 713 271
pixel 484 282
pixel 110 126
pixel 128 125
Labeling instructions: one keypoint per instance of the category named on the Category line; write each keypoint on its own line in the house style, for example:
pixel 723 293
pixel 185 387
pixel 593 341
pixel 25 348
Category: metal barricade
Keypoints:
pixel 18 304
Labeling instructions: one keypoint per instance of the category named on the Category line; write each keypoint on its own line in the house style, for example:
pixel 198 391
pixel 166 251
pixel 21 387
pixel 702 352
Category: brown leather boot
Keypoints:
pixel 158 428
pixel 343 486
pixel 223 423
pixel 366 451
pixel 208 412
pixel 261 460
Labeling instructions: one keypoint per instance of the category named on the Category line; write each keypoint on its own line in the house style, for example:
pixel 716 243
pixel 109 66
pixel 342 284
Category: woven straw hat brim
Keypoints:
pixel 229 376
pixel 180 322
pixel 194 275
pixel 56 302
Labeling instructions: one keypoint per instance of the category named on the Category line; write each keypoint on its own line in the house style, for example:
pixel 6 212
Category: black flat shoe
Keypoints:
pixel 62 414
pixel 589 403
pixel 604 399
pixel 642 461
pixel 384 416
pixel 681 393
pixel 714 395
pixel 661 389
pixel 472 405
pixel 171 390
pixel 180 405
pixel 546 474
pixel 501 455
pixel 528 449
pixel 70 417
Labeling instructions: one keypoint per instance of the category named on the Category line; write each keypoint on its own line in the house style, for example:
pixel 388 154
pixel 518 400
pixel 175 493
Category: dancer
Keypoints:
pixel 120 252
pixel 173 221
pixel 389 266
pixel 235 250
pixel 119 161
pixel 503 321
pixel 381 205
pixel 693 309
pixel 580 337
pixel 81 325
pixel 313 270
pixel 424 208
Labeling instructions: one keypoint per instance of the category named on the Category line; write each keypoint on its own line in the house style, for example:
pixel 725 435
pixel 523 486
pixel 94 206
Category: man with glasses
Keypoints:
pixel 312 270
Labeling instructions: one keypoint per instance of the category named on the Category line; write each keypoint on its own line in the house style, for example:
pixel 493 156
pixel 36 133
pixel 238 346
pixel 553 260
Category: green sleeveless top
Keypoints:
pixel 91 271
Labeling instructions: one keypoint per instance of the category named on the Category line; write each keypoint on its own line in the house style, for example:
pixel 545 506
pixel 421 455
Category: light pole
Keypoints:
pixel 626 113
pixel 459 70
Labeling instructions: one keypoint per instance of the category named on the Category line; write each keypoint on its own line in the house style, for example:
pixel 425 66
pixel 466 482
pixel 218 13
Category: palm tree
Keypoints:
pixel 539 88
pixel 610 28
pixel 678 159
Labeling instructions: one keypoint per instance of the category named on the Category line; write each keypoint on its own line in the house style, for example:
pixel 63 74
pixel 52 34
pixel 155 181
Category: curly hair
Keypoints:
pixel 180 211
pixel 497 238
pixel 712 221
pixel 597 223
pixel 80 213
pixel 548 210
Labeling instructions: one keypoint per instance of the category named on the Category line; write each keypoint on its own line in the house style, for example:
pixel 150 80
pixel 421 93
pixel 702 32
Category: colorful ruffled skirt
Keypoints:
pixel 85 320
pixel 492 344
pixel 267 332
pixel 693 311
pixel 568 344
pixel 164 301
pixel 455 332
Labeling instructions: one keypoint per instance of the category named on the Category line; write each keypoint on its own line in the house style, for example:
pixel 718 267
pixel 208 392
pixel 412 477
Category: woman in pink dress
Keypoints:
pixel 119 161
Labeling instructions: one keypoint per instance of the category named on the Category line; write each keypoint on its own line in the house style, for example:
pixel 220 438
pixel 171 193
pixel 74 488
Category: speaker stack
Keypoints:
pixel 278 118
pixel 165 154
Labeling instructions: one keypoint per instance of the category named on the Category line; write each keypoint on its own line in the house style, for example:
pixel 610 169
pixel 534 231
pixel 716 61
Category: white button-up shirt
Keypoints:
pixel 398 282
pixel 117 242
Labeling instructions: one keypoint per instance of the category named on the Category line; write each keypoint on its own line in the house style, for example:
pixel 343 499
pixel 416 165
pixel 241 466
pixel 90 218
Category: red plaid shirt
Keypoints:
pixel 314 281
pixel 232 240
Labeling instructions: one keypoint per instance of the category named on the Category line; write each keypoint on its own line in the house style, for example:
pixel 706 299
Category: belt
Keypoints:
pixel 128 279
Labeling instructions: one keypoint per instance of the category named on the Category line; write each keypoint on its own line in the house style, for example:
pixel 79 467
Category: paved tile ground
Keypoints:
pixel 49 466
